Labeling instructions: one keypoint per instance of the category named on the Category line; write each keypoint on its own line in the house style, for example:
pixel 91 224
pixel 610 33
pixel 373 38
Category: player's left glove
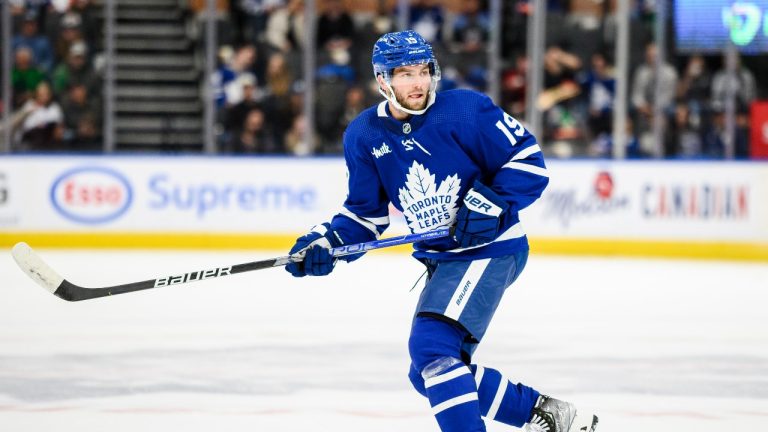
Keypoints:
pixel 478 220
pixel 316 246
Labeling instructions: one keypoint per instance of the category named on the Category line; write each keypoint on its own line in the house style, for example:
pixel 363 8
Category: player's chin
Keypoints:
pixel 416 104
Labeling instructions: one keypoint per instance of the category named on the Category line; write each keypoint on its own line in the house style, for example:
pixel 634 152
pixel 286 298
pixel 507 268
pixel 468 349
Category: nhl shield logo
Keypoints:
pixel 406 128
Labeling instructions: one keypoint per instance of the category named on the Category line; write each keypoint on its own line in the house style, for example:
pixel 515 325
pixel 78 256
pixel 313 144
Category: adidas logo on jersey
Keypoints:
pixel 381 151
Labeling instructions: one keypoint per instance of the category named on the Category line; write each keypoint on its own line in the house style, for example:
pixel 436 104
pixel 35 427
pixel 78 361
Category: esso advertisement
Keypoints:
pixel 91 195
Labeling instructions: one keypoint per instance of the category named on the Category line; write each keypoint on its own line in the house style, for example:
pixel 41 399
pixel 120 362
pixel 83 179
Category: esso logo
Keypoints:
pixel 91 195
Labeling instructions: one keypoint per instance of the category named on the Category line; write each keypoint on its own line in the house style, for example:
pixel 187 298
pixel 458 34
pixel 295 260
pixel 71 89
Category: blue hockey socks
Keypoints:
pixel 460 395
pixel 452 394
pixel 500 399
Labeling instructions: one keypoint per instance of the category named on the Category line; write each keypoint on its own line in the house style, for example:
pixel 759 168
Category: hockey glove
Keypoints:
pixel 477 221
pixel 316 247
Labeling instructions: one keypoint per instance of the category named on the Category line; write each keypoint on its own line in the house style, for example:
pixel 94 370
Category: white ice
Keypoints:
pixel 650 345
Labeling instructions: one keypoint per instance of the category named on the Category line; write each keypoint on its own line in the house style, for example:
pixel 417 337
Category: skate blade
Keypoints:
pixel 584 422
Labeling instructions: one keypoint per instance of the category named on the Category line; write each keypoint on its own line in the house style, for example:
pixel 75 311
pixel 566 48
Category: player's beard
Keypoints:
pixel 402 99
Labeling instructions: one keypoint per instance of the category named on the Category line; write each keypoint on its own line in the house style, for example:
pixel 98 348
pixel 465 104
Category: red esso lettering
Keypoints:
pixel 76 194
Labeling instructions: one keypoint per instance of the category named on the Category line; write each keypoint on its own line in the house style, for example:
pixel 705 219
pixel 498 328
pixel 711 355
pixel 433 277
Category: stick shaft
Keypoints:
pixel 45 276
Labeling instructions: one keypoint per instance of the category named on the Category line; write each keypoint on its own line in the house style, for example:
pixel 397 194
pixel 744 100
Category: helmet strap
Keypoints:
pixel 390 96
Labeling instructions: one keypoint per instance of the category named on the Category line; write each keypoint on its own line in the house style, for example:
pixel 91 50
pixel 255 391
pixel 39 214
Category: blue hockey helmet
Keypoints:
pixel 403 48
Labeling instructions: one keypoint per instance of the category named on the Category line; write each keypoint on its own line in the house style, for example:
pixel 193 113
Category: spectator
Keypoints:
pixel 223 75
pixel 644 94
pixel 70 33
pixel 256 14
pixel 557 101
pixel 427 19
pixel 40 120
pixel 335 28
pixel 472 27
pixel 295 142
pixel 235 114
pixel 74 70
pixel 513 82
pixel 354 104
pixel 683 137
pixel 695 85
pixel 30 37
pixel 277 100
pixel 333 79
pixel 90 25
pixel 742 84
pixel 254 138
pixel 25 76
pixel 285 27
pixel 82 118
pixel 599 86
pixel 560 70
pixel 243 62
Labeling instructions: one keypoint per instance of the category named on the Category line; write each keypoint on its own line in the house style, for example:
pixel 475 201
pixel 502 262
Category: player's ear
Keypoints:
pixel 382 84
pixel 380 80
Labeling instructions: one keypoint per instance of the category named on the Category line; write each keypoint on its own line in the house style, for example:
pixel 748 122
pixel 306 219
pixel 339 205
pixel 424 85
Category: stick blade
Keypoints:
pixel 35 267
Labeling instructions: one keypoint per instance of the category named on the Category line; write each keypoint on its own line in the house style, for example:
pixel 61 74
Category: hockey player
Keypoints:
pixel 449 159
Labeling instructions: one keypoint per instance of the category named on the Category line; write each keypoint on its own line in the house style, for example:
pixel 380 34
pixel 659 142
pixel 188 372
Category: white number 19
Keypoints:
pixel 511 124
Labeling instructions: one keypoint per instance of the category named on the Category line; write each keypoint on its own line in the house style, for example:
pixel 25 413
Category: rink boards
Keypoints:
pixel 683 209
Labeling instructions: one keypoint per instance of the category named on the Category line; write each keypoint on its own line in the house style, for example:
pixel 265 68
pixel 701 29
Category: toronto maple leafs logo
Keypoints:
pixel 425 205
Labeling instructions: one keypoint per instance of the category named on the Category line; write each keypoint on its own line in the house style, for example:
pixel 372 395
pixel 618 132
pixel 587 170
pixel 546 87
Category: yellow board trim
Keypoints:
pixel 652 249
pixel 283 242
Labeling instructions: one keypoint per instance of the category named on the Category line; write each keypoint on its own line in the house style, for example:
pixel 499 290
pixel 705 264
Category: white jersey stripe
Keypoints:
pixel 465 288
pixel 450 403
pixel 527 168
pixel 498 398
pixel 439 379
pixel 381 110
pixel 479 376
pixel 368 223
pixel 524 153
pixel 384 220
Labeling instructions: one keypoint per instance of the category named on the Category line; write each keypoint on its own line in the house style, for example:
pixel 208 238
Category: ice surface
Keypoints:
pixel 651 345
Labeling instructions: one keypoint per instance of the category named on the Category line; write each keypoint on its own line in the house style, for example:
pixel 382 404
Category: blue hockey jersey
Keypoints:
pixel 425 165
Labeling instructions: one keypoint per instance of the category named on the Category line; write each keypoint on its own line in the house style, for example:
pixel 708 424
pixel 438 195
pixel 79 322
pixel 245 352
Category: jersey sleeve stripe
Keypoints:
pixel 370 223
pixel 524 153
pixel 527 168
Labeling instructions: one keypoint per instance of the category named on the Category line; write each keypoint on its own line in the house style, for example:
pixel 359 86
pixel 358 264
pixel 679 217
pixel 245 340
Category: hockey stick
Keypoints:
pixel 45 276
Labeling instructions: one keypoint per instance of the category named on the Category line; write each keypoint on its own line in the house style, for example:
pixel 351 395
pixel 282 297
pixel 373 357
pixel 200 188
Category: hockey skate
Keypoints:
pixel 552 415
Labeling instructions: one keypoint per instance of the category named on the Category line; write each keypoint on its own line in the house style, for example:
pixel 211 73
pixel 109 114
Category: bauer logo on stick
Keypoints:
pixel 192 276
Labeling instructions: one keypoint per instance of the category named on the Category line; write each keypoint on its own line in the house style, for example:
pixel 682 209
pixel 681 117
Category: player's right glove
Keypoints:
pixel 477 221
pixel 316 247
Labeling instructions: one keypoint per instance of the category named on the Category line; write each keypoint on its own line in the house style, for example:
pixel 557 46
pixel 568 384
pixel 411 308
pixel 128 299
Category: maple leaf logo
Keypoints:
pixel 426 205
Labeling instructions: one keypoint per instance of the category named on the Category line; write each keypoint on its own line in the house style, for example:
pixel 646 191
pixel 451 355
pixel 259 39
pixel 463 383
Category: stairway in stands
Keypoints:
pixel 158 76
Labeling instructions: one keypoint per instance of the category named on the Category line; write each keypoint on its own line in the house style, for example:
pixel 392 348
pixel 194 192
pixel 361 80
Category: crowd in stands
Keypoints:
pixel 579 76
pixel 259 81
pixel 55 88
